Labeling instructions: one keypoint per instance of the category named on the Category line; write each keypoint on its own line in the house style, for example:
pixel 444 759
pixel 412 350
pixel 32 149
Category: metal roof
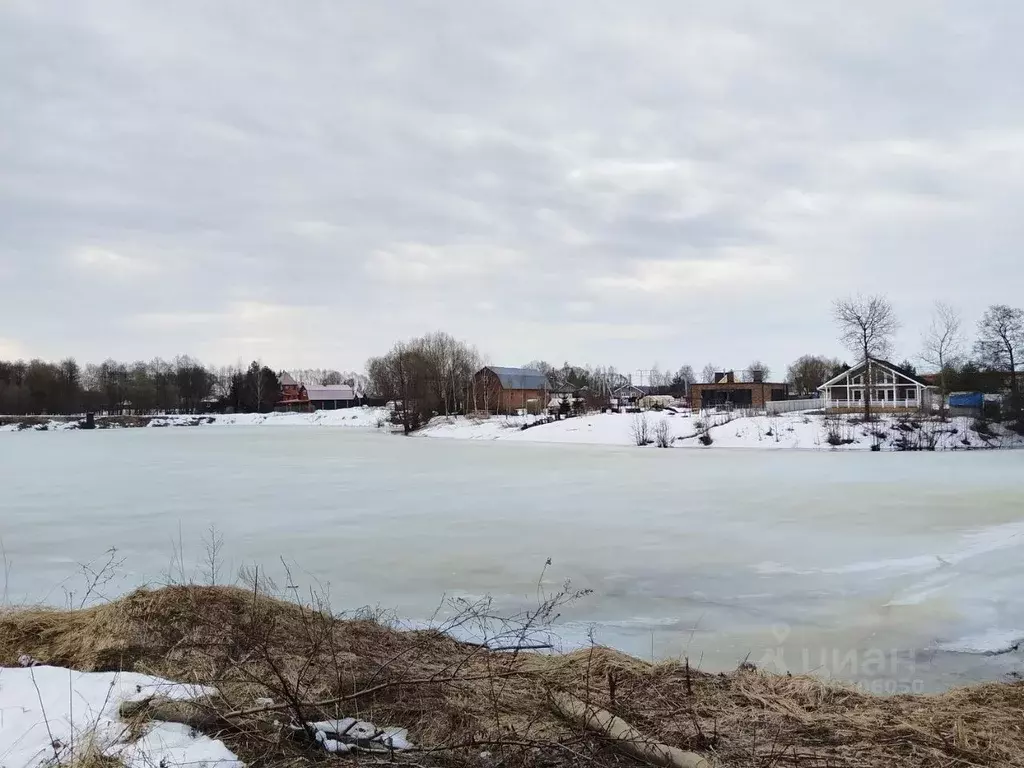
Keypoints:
pixel 331 392
pixel 519 378
pixel 286 380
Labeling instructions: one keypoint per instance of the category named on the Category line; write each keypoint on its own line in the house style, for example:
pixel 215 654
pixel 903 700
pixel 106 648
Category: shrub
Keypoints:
pixel 835 434
pixel 663 434
pixel 982 427
pixel 641 429
pixel 705 438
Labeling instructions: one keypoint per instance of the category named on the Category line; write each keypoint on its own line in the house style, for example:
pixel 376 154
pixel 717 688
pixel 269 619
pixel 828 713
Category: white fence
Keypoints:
pixel 788 406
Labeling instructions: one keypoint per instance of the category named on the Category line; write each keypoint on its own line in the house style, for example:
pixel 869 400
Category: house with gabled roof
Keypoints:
pixel 293 396
pixel 890 388
pixel 330 397
pixel 500 389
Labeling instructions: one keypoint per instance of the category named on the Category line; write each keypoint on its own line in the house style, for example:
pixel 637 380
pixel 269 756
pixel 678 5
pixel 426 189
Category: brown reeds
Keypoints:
pixel 466 703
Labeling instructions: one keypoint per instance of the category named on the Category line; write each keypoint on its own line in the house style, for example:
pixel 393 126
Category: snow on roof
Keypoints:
pixel 331 392
pixel 286 380
pixel 519 378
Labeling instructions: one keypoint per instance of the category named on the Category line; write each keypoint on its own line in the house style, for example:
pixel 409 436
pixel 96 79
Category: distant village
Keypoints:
pixel 438 374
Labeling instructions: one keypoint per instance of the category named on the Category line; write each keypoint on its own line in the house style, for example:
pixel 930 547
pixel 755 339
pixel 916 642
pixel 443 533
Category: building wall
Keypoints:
pixel 759 393
pixel 332 405
pixel 490 396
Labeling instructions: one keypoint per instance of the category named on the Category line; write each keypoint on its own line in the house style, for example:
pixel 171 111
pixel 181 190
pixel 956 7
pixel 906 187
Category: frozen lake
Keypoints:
pixel 893 568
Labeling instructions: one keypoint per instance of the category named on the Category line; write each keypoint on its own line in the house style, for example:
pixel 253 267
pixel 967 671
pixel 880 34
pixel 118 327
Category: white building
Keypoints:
pixel 891 388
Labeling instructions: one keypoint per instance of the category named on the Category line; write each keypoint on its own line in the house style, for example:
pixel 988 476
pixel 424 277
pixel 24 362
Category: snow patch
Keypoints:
pixel 991 643
pixel 50 713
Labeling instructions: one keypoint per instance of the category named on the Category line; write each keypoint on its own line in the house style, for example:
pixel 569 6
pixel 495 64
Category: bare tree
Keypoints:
pixel 808 372
pixel 425 376
pixel 708 374
pixel 757 371
pixel 1000 344
pixel 942 345
pixel 866 327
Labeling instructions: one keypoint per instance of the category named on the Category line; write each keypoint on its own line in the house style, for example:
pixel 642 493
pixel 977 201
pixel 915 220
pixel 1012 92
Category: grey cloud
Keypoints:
pixel 605 182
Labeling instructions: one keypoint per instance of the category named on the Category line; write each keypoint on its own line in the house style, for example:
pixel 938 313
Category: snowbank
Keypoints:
pixel 595 428
pixel 39 426
pixel 790 431
pixel 362 418
pixel 52 715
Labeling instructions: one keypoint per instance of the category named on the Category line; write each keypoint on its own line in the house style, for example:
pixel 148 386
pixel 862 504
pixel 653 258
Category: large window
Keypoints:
pixel 709 398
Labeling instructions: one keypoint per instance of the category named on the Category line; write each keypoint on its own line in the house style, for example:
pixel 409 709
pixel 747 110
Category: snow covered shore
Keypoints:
pixel 361 418
pixel 791 431
pixel 804 431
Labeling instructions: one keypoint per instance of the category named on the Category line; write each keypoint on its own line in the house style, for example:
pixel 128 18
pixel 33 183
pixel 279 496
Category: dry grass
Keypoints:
pixel 450 694
pixel 93 758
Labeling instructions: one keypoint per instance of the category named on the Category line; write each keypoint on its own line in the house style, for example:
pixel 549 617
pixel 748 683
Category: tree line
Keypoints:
pixel 181 385
pixel 40 387
pixel 435 373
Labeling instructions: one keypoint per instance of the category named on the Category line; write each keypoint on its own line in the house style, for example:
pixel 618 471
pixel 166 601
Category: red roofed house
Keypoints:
pixel 293 394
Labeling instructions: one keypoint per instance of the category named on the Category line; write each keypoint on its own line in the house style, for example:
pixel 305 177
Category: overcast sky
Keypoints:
pixel 613 183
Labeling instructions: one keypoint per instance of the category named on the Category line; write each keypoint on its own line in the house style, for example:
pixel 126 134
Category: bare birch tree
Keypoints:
pixel 942 345
pixel 866 327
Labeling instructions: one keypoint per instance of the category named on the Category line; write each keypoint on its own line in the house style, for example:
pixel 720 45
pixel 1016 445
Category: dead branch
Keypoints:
pixel 374 689
pixel 625 736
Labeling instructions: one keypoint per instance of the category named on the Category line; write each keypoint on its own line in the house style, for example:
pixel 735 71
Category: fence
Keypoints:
pixel 788 406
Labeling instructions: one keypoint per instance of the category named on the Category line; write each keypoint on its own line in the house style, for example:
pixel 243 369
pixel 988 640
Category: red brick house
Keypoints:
pixel 498 389
pixel 726 392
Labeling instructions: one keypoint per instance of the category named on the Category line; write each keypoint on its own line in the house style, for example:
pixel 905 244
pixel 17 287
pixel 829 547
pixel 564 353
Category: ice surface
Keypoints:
pixel 714 554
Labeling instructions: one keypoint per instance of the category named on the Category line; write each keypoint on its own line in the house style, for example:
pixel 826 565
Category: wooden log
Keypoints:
pixel 194 715
pixel 625 736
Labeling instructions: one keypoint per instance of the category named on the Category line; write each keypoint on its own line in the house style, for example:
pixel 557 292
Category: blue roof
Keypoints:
pixel 519 378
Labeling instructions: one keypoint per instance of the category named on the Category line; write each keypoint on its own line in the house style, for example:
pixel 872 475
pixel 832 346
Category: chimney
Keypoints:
pixel 757 376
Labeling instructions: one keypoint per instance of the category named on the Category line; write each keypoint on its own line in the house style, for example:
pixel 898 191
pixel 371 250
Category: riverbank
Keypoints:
pixel 357 418
pixel 267 664
pixel 685 429
pixel 666 429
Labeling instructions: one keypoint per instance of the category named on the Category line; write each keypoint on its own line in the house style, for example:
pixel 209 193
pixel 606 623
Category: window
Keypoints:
pixel 911 394
pixel 857 395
